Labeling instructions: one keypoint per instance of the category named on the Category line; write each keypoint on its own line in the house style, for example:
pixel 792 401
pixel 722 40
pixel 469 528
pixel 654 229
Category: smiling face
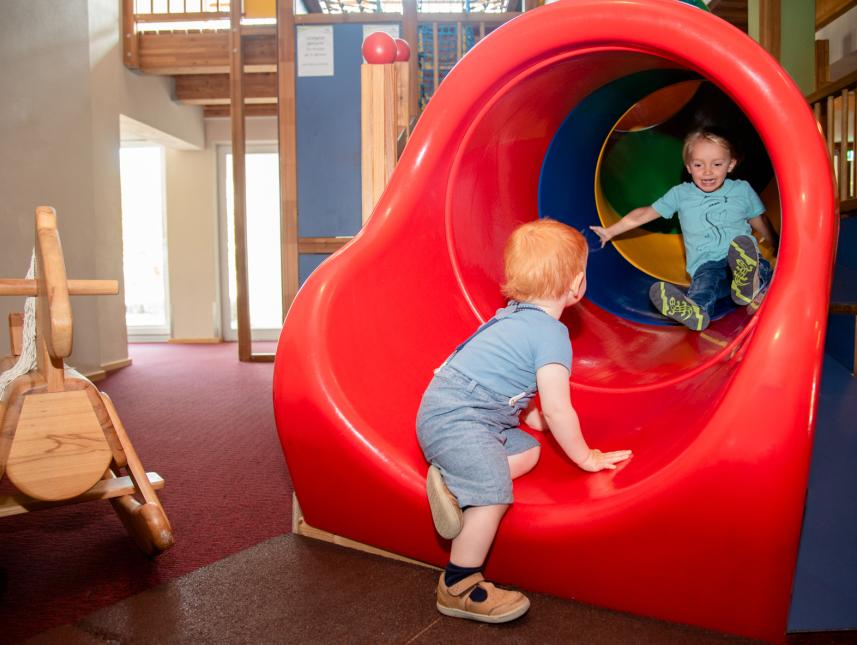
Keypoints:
pixel 708 164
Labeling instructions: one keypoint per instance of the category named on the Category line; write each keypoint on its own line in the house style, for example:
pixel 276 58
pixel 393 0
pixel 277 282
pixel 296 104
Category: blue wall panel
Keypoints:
pixel 307 263
pixel 328 142
pixel 846 253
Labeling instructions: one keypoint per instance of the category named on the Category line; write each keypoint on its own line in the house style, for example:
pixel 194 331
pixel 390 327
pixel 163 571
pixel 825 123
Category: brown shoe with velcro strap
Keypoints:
pixel 500 606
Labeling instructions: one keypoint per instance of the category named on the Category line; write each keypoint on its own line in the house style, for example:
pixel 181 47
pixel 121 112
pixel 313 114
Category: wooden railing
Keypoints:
pixel 835 110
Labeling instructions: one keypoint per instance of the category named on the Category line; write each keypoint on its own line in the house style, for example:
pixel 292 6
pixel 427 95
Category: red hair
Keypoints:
pixel 541 260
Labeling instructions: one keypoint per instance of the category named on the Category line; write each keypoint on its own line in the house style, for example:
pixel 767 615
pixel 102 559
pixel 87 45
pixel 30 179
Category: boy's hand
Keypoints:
pixel 598 460
pixel 602 234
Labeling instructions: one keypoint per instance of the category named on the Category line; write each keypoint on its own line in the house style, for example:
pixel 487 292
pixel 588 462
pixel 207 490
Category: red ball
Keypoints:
pixel 379 48
pixel 403 50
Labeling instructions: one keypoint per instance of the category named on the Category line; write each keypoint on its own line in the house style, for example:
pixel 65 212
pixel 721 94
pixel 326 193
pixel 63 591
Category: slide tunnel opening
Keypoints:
pixel 583 138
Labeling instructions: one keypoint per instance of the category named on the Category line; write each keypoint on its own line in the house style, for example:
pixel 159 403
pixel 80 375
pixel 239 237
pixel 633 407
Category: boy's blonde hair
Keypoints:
pixel 706 135
pixel 541 260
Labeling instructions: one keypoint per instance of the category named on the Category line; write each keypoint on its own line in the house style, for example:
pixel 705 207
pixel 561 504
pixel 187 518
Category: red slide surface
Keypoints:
pixel 702 525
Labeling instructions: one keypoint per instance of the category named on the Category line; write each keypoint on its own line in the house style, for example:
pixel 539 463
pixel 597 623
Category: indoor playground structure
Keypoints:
pixel 574 111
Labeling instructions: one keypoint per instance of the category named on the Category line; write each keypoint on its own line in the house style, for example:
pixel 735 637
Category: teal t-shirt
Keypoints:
pixel 505 356
pixel 710 221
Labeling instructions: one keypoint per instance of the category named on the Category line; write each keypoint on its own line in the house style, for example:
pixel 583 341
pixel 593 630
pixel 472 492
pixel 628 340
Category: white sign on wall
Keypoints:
pixel 315 50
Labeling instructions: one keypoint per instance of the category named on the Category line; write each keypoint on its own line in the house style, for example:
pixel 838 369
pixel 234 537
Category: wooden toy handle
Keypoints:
pixel 53 307
pixel 24 287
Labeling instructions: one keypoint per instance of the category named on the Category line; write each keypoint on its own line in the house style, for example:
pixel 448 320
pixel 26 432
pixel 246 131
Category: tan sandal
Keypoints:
pixel 500 606
pixel 445 510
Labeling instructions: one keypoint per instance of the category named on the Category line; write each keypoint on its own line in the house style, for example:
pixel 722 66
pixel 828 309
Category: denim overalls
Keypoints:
pixel 469 431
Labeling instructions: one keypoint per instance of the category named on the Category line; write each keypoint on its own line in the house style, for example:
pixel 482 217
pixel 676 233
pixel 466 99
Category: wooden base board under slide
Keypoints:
pixel 300 527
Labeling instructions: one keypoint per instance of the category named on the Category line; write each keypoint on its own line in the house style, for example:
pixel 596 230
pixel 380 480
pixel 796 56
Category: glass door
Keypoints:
pixel 263 243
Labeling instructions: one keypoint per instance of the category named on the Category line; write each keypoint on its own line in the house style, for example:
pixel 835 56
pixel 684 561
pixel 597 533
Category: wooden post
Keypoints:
pixel 236 101
pixel 410 34
pixel 852 166
pixel 130 41
pixel 16 333
pixel 435 44
pixel 403 73
pixel 770 27
pixel 287 131
pixel 842 175
pixel 822 63
pixel 377 131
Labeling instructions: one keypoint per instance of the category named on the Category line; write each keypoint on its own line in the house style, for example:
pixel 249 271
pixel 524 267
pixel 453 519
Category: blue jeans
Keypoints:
pixel 712 281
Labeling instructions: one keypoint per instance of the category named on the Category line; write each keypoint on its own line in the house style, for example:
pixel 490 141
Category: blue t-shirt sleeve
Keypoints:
pixel 667 206
pixel 553 346
pixel 756 206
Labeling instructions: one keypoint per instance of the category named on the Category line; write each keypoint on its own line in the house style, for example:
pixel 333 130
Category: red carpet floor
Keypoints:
pixel 205 423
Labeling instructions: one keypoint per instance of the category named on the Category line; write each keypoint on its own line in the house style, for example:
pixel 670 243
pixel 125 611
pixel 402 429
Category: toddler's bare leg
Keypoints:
pixel 478 529
pixel 524 462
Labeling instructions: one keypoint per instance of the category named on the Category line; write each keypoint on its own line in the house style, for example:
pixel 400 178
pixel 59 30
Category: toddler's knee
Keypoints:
pixel 525 461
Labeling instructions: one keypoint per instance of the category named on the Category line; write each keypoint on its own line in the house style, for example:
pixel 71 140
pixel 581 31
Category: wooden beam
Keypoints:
pixel 770 26
pixel 377 132
pixel 104 489
pixel 16 333
pixel 236 82
pixel 822 63
pixel 25 287
pixel 190 16
pixel 410 28
pixel 340 18
pixel 826 11
pixel 321 245
pixel 250 110
pixel 287 136
pixel 735 12
pixel 205 52
pixel 300 527
pixel 214 89
pixel 130 43
pixel 833 88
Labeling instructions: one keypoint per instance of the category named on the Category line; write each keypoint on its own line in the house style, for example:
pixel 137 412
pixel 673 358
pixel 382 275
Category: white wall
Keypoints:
pixel 191 197
pixel 63 86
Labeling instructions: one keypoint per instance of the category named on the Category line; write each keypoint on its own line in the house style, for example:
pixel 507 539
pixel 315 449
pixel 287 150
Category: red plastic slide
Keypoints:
pixel 702 525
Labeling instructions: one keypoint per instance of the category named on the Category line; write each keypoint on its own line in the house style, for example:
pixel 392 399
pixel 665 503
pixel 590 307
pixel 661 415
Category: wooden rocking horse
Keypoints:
pixel 61 440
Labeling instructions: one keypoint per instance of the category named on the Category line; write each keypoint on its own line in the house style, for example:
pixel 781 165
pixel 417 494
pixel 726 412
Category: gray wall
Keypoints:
pixel 63 87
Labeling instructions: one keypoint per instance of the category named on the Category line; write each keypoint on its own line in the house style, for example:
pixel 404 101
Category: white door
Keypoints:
pixel 263 243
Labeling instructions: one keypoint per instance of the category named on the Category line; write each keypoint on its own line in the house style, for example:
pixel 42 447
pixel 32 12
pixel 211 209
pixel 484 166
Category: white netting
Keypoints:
pixel 27 359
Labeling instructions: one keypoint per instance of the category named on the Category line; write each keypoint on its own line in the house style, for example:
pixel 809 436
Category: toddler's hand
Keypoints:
pixel 602 234
pixel 598 460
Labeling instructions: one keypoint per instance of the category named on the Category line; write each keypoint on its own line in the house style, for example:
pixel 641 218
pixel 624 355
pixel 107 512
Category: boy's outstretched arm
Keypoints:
pixel 632 220
pixel 552 381
pixel 763 227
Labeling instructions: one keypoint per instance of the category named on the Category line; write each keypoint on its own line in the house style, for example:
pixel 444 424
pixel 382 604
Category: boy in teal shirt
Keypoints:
pixel 717 218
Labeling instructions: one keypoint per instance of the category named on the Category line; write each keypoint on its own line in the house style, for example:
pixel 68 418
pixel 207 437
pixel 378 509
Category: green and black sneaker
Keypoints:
pixel 743 258
pixel 673 303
